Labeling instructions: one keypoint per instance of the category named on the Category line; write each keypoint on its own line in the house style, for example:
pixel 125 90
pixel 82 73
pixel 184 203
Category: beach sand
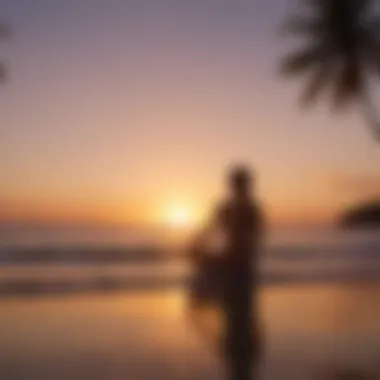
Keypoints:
pixel 310 332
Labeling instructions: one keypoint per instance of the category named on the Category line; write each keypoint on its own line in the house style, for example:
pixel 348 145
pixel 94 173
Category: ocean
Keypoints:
pixel 38 259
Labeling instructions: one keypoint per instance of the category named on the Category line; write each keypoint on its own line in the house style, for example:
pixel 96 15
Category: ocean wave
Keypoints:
pixel 128 254
pixel 71 269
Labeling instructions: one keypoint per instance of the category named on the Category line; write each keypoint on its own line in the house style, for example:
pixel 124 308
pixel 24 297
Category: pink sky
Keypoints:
pixel 115 109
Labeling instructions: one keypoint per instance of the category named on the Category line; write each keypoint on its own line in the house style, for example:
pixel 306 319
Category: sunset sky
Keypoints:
pixel 116 110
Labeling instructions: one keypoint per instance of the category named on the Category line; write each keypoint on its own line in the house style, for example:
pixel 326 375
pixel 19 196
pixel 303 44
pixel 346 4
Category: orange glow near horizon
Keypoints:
pixel 177 213
pixel 180 215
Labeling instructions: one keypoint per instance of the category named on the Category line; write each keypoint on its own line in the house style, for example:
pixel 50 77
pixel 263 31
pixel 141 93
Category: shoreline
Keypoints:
pixel 107 285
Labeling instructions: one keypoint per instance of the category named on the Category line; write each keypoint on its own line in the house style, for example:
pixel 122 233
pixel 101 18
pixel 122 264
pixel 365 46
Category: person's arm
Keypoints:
pixel 199 241
pixel 261 225
pixel 258 243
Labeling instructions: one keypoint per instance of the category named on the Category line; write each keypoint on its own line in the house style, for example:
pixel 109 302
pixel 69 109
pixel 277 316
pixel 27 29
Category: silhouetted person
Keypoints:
pixel 240 220
pixel 230 279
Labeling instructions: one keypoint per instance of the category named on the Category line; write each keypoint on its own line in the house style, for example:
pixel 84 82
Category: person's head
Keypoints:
pixel 240 181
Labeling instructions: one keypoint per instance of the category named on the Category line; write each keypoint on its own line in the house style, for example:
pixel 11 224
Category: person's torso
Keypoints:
pixel 240 224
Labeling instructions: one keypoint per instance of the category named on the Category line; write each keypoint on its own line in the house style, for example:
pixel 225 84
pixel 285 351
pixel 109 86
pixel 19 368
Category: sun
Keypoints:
pixel 179 216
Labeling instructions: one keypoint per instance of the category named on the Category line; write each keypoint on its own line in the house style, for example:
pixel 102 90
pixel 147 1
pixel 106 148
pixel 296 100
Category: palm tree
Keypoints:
pixel 342 51
pixel 4 34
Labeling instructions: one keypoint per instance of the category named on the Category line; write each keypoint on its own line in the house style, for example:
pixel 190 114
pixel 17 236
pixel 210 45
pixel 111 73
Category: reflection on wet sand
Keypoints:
pixel 140 335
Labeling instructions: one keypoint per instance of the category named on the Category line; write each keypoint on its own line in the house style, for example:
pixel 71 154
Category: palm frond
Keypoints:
pixel 348 84
pixel 302 26
pixel 319 80
pixel 358 6
pixel 371 53
pixel 373 26
pixel 374 62
pixel 345 37
pixel 302 60
pixel 3 72
pixel 315 3
pixel 4 31
pixel 355 8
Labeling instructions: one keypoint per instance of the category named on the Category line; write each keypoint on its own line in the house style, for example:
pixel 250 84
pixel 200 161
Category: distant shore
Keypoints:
pixel 361 216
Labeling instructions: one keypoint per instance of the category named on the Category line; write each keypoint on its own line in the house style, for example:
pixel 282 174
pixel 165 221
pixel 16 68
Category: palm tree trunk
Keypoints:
pixel 4 33
pixel 370 113
pixel 3 72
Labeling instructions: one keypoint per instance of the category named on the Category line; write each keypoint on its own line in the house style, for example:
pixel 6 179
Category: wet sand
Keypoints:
pixel 310 331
